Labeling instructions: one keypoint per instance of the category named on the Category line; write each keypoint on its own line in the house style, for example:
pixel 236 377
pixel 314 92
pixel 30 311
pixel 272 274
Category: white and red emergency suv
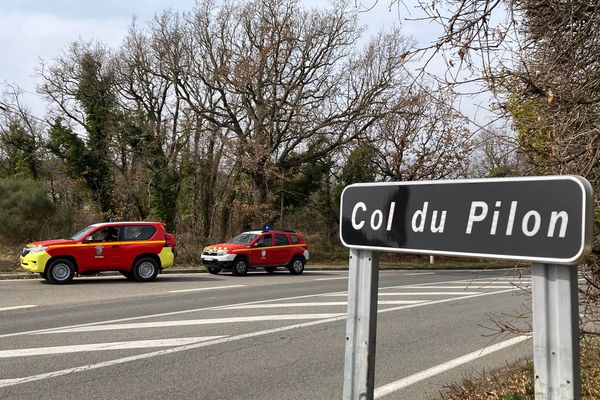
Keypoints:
pixel 268 249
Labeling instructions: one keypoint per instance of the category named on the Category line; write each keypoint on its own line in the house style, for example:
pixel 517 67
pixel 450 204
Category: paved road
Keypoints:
pixel 200 336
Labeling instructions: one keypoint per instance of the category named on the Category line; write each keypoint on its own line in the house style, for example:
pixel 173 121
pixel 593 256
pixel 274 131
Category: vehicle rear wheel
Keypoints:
pixel 240 267
pixel 214 270
pixel 296 267
pixel 60 271
pixel 270 270
pixel 145 269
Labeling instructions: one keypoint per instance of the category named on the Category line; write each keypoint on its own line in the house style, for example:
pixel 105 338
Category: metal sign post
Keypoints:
pixel 361 325
pixel 555 332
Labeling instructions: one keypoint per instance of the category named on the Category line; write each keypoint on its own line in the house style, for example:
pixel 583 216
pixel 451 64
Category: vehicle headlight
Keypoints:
pixel 221 252
pixel 37 249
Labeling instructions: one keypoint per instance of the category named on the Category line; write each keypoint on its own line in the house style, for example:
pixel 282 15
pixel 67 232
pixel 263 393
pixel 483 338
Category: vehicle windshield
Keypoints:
pixel 243 238
pixel 79 235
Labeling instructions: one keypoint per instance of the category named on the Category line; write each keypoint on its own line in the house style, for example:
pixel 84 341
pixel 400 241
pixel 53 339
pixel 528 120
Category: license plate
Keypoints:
pixel 208 258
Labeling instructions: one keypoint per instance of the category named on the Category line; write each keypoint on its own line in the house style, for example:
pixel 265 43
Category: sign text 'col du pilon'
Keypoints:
pixel 540 219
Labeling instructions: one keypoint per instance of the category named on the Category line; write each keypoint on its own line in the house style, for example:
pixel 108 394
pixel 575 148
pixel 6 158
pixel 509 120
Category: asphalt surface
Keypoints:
pixel 280 336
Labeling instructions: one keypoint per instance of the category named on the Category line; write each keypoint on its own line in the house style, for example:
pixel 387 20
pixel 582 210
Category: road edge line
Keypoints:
pixel 440 368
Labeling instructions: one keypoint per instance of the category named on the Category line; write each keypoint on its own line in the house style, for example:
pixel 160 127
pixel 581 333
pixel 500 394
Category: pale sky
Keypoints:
pixel 41 29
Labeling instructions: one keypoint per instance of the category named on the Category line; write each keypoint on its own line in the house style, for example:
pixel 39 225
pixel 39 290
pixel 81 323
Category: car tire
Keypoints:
pixel 296 266
pixel 60 271
pixel 214 270
pixel 240 267
pixel 270 270
pixel 145 269
pixel 127 274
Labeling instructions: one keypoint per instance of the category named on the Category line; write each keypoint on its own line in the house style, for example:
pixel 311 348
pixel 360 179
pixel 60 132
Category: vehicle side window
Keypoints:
pixel 137 232
pixel 264 241
pixel 281 240
pixel 108 234
pixel 295 239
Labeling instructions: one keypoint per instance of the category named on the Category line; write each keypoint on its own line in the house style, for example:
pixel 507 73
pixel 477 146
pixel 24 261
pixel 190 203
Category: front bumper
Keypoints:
pixel 35 262
pixel 224 261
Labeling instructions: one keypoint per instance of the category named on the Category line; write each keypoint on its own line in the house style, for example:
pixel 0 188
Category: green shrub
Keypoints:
pixel 25 210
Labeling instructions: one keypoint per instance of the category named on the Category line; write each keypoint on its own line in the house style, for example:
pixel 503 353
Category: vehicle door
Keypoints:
pixel 281 251
pixel 101 250
pixel 260 254
pixel 136 241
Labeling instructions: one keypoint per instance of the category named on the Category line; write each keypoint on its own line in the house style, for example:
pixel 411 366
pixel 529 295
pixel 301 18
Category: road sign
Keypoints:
pixel 539 219
pixel 546 220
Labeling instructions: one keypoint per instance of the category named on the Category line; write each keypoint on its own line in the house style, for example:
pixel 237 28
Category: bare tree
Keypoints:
pixel 146 84
pixel 495 155
pixel 424 139
pixel 287 84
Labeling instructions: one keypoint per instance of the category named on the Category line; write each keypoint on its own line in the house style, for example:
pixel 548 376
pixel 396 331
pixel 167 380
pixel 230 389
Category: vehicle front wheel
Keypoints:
pixel 240 267
pixel 145 269
pixel 297 266
pixel 214 270
pixel 60 271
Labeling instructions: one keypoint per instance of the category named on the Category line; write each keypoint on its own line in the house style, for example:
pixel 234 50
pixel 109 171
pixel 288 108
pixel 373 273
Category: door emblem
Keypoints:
pixel 98 251
pixel 263 253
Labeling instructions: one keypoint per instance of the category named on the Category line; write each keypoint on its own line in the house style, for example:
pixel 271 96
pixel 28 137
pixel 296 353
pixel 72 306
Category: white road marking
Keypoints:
pixel 208 321
pixel 138 344
pixel 17 307
pixel 54 374
pixel 330 279
pixel 438 369
pixel 420 273
pixel 496 282
pixel 193 310
pixel 166 314
pixel 316 304
pixel 409 294
pixel 17 381
pixel 207 288
pixel 462 287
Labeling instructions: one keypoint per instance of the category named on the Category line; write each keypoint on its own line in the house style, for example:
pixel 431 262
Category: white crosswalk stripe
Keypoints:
pixel 208 321
pixel 17 307
pixel 317 304
pixel 206 288
pixel 461 293
pixel 462 287
pixel 138 344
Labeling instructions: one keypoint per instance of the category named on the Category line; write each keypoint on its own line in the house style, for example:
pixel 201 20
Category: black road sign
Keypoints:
pixel 540 219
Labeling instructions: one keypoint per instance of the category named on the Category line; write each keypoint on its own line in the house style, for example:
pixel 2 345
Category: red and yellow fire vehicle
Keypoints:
pixel 138 250
pixel 268 249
